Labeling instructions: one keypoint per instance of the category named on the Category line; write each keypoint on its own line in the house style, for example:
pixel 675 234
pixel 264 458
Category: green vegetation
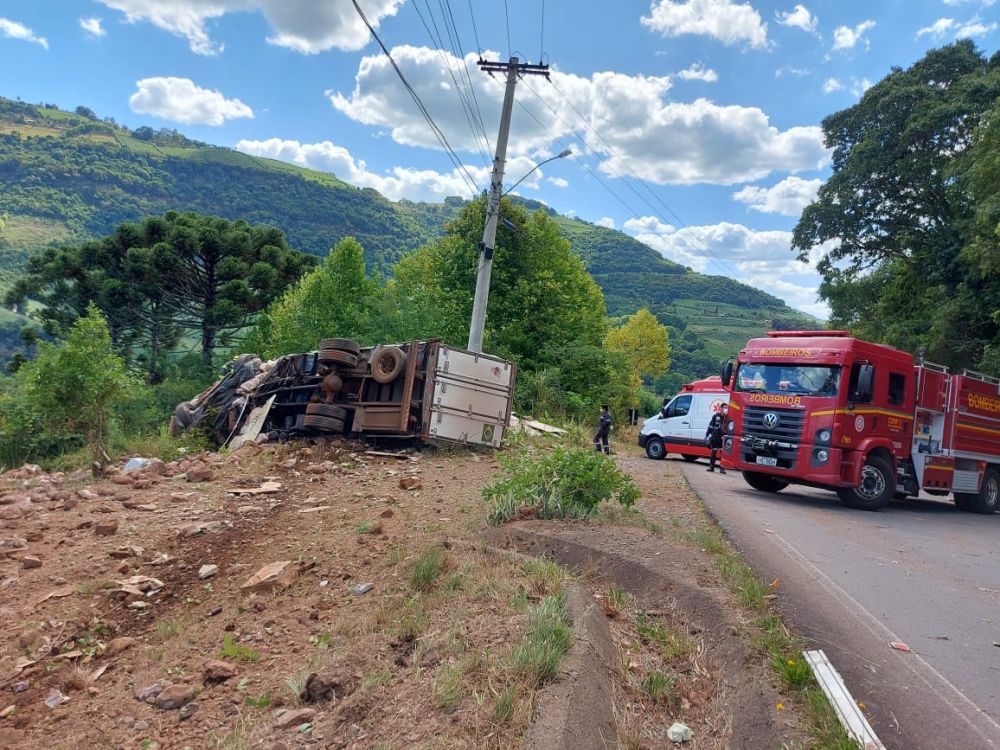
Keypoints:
pixel 66 396
pixel 907 224
pixel 233 651
pixel 536 658
pixel 562 483
pixel 644 345
pixel 428 568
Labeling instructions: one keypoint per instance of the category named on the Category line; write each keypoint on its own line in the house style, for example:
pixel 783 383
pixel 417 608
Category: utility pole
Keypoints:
pixel 513 69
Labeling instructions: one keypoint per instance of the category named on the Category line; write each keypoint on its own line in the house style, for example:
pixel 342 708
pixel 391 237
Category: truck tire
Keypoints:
pixel 327 410
pixel 764 482
pixel 345 345
pixel 338 357
pixel 988 498
pixel 875 489
pixel 387 364
pixel 655 448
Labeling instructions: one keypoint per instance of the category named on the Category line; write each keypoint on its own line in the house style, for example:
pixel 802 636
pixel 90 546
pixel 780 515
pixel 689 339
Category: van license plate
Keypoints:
pixel 767 461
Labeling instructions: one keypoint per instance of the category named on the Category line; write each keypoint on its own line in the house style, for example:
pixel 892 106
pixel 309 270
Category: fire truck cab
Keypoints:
pixel 824 409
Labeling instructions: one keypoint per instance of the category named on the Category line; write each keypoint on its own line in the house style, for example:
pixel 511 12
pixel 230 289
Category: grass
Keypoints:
pixel 428 568
pixel 235 652
pixel 240 737
pixel 448 687
pixel 536 658
pixel 671 644
pixel 373 680
pixel 657 684
pixel 546 576
pixel 771 636
pixel 615 516
pixel 617 597
pixel 170 627
pixel 505 704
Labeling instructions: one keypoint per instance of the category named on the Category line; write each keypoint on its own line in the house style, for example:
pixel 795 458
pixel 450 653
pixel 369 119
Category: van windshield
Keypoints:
pixel 805 380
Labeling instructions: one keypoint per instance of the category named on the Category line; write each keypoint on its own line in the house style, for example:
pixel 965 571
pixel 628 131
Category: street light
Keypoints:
pixel 560 155
pixel 478 323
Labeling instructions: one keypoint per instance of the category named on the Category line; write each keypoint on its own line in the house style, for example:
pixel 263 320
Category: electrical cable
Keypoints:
pixel 459 50
pixel 541 37
pixel 475 31
pixel 470 117
pixel 726 266
pixel 438 133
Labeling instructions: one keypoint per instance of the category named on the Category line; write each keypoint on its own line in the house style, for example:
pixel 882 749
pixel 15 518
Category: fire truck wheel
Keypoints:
pixel 875 489
pixel 655 448
pixel 988 498
pixel 764 482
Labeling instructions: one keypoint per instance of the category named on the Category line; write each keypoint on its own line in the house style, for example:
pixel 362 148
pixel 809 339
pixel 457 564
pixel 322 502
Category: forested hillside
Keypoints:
pixel 66 177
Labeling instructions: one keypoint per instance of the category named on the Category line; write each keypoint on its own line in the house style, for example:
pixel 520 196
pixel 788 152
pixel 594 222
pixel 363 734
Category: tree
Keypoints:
pixel 162 279
pixel 891 222
pixel 541 295
pixel 643 344
pixel 88 376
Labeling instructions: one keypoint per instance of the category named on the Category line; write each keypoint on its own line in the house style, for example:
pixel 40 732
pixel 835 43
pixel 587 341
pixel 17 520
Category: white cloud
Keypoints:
pixel 799 72
pixel 800 18
pixel 662 141
pixel 946 26
pixel 559 182
pixel 727 21
pixel 845 37
pixel 301 25
pixel 860 86
pixel 857 86
pixel 698 72
pixel 832 84
pixel 180 100
pixel 400 182
pixel 763 259
pixel 16 30
pixel 606 221
pixel 788 197
pixel 92 26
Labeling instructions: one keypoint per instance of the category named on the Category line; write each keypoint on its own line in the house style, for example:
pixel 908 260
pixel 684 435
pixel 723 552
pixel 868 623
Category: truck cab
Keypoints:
pixel 824 409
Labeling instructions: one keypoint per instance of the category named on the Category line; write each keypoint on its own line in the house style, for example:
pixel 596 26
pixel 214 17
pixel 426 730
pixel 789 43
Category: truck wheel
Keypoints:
pixel 655 448
pixel 387 364
pixel 875 489
pixel 764 482
pixel 989 494
pixel 690 459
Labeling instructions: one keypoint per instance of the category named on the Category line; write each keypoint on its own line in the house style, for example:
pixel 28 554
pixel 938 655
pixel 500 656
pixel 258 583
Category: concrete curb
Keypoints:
pixel 576 712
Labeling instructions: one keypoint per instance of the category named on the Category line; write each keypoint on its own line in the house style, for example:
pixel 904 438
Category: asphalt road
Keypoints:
pixel 919 571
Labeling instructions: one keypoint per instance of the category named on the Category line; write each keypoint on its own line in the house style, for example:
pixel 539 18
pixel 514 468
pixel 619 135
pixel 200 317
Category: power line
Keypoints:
pixel 506 14
pixel 724 264
pixel 460 54
pixel 706 251
pixel 541 37
pixel 438 133
pixel 466 104
pixel 475 31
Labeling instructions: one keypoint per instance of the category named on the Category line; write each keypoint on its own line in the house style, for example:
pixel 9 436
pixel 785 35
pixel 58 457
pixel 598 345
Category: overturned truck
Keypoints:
pixel 419 390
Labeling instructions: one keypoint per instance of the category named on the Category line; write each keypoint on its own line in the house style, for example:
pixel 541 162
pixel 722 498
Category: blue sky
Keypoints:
pixel 714 104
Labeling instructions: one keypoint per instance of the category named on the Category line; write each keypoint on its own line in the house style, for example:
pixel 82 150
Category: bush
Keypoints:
pixel 566 483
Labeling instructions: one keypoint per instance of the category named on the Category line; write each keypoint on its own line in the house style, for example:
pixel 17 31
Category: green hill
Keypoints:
pixel 65 177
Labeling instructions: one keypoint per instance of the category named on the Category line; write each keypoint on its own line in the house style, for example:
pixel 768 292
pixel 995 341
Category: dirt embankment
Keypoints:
pixel 388 625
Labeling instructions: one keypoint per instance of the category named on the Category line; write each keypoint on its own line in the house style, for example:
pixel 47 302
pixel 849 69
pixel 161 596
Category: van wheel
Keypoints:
pixel 989 494
pixel 655 448
pixel 764 482
pixel 690 459
pixel 875 489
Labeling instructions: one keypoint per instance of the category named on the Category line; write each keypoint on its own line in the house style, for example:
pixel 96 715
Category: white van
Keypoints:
pixel 680 426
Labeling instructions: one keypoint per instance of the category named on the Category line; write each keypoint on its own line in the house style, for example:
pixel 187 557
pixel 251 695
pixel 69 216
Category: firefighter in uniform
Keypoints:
pixel 713 436
pixel 603 430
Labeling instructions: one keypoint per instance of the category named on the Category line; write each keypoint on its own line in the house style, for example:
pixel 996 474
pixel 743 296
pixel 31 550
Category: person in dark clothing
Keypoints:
pixel 713 436
pixel 603 430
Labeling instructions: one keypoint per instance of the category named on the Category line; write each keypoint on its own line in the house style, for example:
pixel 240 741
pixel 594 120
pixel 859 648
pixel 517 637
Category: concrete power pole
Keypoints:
pixel 512 69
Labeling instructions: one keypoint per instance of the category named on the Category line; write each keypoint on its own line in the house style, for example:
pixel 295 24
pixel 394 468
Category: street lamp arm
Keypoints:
pixel 560 155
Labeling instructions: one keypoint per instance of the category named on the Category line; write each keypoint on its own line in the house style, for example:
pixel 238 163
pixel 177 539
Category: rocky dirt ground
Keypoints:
pixel 329 596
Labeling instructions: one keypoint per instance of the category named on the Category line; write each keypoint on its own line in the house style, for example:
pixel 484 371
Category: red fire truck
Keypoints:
pixel 823 409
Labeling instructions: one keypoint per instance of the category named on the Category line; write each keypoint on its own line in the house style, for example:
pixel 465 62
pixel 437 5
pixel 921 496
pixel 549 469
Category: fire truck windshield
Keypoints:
pixel 805 380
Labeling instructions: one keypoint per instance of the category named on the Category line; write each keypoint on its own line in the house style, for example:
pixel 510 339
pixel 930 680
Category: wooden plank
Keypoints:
pixel 846 708
pixel 411 369
pixel 251 428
